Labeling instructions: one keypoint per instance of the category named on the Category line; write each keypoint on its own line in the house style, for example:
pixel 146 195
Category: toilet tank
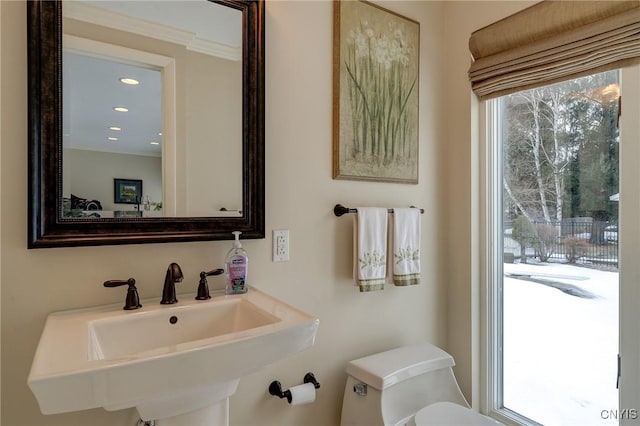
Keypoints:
pixel 399 382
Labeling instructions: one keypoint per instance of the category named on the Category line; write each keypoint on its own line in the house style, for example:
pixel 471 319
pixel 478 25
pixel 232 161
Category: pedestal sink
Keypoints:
pixel 176 364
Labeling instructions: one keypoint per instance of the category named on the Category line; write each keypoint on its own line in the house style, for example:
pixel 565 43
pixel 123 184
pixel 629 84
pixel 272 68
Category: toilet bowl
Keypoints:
pixel 410 385
pixel 449 414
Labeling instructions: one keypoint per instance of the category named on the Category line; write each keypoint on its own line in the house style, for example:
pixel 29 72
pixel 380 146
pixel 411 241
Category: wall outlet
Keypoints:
pixel 280 246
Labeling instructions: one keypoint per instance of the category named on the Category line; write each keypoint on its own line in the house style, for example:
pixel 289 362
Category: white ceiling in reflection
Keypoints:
pixel 91 89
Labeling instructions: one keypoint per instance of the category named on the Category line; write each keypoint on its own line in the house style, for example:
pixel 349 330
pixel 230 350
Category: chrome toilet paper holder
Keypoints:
pixel 275 388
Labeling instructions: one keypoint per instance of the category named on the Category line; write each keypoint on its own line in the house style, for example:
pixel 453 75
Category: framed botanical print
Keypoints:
pixel 375 94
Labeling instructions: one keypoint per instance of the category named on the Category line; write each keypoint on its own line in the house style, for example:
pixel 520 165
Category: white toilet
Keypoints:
pixel 411 385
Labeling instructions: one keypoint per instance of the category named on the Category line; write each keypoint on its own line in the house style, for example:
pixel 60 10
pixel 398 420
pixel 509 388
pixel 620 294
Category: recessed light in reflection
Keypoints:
pixel 154 143
pixel 115 128
pixel 111 138
pixel 121 109
pixel 129 81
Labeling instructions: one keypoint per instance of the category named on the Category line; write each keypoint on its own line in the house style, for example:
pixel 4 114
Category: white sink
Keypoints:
pixel 165 360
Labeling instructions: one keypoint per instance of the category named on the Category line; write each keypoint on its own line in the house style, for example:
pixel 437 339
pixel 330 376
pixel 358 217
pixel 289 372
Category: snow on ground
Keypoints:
pixel 560 351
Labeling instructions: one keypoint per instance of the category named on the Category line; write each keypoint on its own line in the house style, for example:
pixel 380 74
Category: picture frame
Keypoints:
pixel 376 68
pixel 127 191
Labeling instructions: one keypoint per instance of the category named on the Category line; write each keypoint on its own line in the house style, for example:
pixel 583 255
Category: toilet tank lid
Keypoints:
pixel 387 368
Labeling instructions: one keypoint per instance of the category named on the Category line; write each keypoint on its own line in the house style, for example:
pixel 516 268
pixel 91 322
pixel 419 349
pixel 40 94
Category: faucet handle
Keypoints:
pixel 133 299
pixel 212 272
pixel 203 287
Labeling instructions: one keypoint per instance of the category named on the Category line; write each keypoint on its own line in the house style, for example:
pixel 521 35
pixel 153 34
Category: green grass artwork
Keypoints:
pixel 377 63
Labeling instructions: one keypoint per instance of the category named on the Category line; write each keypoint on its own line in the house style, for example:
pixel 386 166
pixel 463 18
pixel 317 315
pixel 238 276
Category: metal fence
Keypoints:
pixel 567 241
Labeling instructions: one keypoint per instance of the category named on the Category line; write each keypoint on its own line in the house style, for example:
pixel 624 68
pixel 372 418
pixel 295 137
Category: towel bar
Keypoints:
pixel 340 210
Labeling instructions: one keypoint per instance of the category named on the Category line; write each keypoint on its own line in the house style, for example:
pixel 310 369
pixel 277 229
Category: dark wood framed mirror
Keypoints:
pixel 49 227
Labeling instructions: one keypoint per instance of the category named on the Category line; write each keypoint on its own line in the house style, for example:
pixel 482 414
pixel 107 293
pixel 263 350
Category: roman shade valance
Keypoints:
pixel 553 41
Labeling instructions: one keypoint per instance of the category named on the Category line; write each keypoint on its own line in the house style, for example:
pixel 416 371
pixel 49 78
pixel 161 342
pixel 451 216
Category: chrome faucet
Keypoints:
pixel 174 275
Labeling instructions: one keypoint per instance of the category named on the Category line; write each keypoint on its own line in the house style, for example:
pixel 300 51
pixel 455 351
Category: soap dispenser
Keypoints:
pixel 236 266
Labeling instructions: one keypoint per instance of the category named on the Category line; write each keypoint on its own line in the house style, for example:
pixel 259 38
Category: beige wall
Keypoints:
pixel 300 196
pixel 213 131
pixel 460 185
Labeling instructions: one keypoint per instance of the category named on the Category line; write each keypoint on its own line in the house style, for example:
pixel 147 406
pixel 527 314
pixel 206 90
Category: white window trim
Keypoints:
pixel 628 243
pixel 488 250
pixel 490 247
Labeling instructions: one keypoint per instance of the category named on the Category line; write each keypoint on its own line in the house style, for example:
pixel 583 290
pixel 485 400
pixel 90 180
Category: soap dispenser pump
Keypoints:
pixel 236 266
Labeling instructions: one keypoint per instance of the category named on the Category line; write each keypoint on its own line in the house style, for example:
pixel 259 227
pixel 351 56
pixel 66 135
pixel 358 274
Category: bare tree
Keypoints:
pixel 534 101
pixel 540 151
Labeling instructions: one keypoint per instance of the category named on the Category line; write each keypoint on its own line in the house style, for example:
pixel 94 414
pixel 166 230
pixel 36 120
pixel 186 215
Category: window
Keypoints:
pixel 561 252
pixel 553 161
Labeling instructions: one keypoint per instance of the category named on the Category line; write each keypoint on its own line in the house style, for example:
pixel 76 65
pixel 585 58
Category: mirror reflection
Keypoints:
pixel 152 124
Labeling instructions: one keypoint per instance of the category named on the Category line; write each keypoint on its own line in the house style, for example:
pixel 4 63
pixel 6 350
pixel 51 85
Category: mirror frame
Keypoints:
pixel 47 227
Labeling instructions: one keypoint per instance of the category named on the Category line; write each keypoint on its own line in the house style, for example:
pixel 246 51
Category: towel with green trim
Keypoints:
pixel 370 248
pixel 406 246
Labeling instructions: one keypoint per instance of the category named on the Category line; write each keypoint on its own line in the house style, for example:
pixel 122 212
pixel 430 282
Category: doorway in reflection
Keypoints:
pixel 112 129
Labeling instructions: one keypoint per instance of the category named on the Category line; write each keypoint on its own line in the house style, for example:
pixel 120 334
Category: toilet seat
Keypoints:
pixel 450 414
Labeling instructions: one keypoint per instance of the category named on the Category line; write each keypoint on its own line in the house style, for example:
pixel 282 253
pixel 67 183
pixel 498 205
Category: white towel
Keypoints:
pixel 406 246
pixel 370 248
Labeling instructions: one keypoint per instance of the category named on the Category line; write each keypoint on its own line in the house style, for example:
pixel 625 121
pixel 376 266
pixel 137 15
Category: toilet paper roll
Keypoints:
pixel 303 394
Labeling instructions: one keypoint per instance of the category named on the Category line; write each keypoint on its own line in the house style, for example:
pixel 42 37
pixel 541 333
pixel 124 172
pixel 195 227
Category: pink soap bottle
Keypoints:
pixel 236 266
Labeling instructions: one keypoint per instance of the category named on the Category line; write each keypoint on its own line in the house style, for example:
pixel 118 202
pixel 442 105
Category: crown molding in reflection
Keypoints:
pixel 98 16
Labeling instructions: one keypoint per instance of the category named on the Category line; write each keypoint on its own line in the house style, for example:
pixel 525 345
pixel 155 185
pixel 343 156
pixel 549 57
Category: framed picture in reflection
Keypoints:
pixel 127 191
